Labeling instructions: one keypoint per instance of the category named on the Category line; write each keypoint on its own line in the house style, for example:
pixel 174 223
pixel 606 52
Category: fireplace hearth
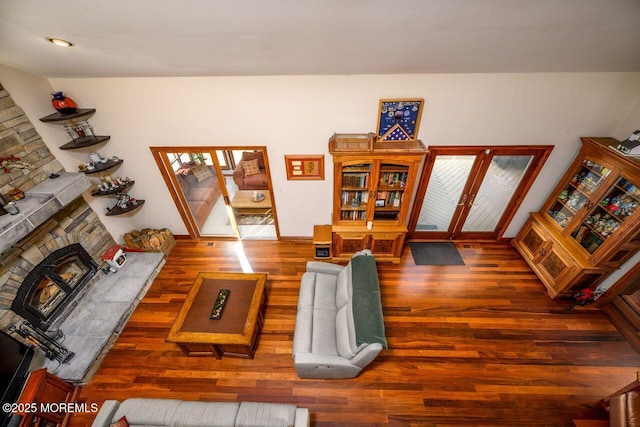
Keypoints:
pixel 52 285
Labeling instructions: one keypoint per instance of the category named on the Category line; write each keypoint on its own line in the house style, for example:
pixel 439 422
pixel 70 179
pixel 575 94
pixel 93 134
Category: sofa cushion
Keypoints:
pixel 203 194
pixel 346 334
pixel 307 290
pixel 256 182
pixel 323 333
pixel 254 414
pixel 201 172
pixel 325 292
pixel 251 167
pixel 213 414
pixel 251 155
pixel 343 287
pixel 184 182
pixel 304 314
pixel 140 411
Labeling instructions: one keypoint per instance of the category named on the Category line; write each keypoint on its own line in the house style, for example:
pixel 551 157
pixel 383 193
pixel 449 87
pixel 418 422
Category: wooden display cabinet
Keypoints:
pixel 372 196
pixel 590 225
pixel 385 245
pixel 42 389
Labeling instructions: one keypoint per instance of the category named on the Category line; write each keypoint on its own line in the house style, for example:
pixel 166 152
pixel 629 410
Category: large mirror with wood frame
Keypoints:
pixel 221 191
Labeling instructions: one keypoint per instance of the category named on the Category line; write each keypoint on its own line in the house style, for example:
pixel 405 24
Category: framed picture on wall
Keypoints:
pixel 399 119
pixel 304 166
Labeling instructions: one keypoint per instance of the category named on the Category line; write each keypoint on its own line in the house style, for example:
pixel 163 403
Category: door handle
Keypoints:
pixel 543 251
pixel 472 199
pixel 463 201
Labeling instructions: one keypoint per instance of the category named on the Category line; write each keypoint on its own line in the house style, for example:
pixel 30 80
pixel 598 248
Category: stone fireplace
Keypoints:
pixel 54 222
pixel 50 259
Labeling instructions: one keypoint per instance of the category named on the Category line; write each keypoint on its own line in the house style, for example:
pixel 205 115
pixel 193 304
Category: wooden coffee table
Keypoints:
pixel 236 332
pixel 243 205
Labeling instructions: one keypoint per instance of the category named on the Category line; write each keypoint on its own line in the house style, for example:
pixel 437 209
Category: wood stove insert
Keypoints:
pixel 53 284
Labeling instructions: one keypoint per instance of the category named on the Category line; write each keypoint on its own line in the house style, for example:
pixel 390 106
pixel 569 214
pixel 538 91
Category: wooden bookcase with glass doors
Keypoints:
pixel 590 225
pixel 372 195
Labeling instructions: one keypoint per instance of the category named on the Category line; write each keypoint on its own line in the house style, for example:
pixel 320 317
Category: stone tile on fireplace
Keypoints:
pixel 122 286
pixel 39 207
pixel 41 202
pixel 92 347
pixel 89 319
pixel 65 188
pixel 12 229
pixel 92 326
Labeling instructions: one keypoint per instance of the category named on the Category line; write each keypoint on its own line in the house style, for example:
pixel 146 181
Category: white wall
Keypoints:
pixel 629 124
pixel 297 115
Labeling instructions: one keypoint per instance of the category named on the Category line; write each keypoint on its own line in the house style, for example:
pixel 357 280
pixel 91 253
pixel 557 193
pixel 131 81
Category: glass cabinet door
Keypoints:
pixel 392 181
pixel 355 185
pixel 586 181
pixel 603 220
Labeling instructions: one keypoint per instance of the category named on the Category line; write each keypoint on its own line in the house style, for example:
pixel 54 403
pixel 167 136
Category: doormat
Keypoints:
pixel 435 253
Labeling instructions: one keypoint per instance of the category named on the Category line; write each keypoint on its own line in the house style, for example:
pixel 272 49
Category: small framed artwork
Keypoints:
pixel 305 166
pixel 380 203
pixel 399 119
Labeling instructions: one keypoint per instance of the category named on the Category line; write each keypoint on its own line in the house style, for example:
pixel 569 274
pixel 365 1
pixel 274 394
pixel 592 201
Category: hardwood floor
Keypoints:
pixel 473 345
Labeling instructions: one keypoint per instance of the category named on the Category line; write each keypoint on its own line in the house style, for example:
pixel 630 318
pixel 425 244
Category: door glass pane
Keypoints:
pixel 446 183
pixel 497 188
pixel 223 159
pixel 251 205
pixel 391 184
pixel 354 192
pixel 617 205
pixel 198 180
pixel 576 194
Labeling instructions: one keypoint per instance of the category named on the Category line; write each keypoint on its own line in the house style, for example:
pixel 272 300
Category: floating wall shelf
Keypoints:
pixel 117 210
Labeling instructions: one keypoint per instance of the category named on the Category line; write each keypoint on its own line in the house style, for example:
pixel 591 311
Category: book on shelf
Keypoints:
pixel 355 179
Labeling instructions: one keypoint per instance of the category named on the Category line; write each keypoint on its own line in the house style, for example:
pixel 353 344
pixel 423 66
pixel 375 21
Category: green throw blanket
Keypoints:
pixel 367 308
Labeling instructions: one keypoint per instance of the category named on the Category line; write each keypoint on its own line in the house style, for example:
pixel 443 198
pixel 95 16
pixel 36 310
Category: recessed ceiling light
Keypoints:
pixel 60 42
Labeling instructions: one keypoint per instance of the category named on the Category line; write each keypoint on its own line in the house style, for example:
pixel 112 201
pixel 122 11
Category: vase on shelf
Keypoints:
pixel 63 104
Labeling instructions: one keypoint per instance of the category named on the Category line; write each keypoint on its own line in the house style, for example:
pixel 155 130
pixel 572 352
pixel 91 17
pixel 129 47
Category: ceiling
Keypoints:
pixel 118 38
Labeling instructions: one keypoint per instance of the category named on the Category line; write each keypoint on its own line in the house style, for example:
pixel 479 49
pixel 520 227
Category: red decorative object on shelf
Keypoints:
pixel 63 104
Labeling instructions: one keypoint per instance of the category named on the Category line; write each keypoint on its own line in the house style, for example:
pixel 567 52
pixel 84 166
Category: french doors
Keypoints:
pixel 210 188
pixel 473 192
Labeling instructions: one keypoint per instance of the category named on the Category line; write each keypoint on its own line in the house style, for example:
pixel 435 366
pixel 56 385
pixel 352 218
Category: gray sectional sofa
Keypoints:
pixel 178 413
pixel 339 324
